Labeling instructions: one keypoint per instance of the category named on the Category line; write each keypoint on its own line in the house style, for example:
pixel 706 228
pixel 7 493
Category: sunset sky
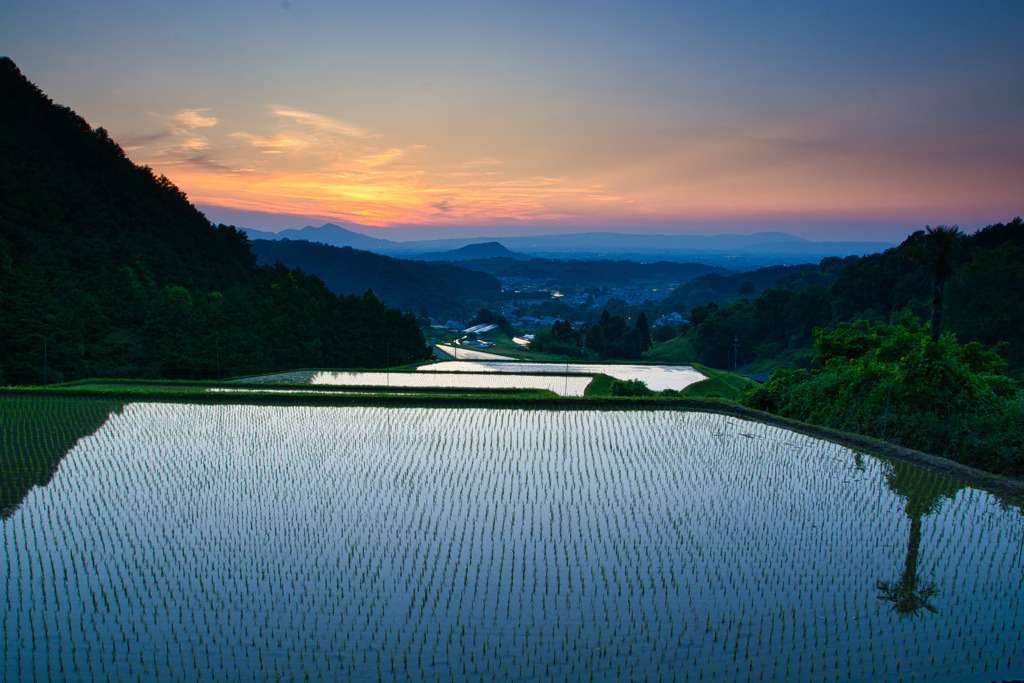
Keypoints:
pixel 826 119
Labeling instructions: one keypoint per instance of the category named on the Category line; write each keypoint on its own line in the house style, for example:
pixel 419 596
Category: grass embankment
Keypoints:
pixel 504 346
pixel 274 394
pixel 719 384
pixel 599 387
pixel 677 351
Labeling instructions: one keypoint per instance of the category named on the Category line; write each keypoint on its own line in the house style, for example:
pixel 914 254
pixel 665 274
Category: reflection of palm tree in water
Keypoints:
pixel 923 490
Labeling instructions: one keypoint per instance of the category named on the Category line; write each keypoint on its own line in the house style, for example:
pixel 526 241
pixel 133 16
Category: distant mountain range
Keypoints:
pixel 765 248
pixel 329 234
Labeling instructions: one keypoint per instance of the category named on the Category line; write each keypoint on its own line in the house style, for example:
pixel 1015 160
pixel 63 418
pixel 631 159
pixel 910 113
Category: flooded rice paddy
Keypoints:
pixel 469 380
pixel 656 377
pixel 226 542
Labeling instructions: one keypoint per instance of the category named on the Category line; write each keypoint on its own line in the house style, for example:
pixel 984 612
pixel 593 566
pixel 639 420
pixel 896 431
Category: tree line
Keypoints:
pixel 108 270
pixel 911 382
pixel 611 337
pixel 898 383
pixel 981 295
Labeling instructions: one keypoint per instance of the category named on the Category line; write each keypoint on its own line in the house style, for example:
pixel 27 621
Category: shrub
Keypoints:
pixel 630 387
pixel 893 382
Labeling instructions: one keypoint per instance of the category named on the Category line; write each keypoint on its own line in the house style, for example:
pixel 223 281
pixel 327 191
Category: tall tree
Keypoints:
pixel 938 249
pixel 643 328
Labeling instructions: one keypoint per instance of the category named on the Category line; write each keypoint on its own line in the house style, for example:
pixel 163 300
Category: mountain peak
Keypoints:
pixel 331 234
pixel 480 250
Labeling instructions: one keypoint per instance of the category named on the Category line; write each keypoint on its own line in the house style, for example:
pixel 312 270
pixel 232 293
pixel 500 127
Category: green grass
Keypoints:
pixel 676 351
pixel 599 387
pixel 719 384
pixel 504 346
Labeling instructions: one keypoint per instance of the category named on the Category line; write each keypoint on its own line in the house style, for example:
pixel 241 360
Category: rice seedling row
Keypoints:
pixel 185 542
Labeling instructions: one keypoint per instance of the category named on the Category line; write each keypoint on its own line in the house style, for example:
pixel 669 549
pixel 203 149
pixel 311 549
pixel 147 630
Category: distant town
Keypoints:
pixel 526 294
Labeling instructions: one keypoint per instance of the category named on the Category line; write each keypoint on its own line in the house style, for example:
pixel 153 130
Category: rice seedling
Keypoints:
pixel 216 542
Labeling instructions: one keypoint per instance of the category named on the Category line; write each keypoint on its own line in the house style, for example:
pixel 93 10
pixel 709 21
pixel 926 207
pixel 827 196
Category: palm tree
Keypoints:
pixel 939 247
pixel 923 492
pixel 910 592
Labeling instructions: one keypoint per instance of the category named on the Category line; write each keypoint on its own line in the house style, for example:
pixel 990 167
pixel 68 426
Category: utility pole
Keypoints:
pixel 217 344
pixel 735 353
pixel 44 361
pixel 387 366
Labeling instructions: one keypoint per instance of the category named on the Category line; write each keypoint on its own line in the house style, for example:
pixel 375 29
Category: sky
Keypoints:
pixel 831 120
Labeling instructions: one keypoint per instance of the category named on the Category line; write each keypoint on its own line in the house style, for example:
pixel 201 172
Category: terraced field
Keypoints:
pixel 224 542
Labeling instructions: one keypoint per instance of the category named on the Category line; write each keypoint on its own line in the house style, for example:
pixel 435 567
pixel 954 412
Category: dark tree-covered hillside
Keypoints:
pixel 442 289
pixel 108 270
pixel 611 337
pixel 719 286
pixel 602 272
pixel 896 382
pixel 982 300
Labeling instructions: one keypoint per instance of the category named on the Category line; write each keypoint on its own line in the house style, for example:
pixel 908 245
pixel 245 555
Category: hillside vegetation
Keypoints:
pixel 441 289
pixel 895 382
pixel 921 345
pixel 108 270
pixel 602 272
pixel 983 302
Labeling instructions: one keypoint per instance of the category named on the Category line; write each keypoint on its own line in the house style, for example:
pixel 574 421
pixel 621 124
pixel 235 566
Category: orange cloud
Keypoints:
pixel 323 124
pixel 275 143
pixel 193 118
pixel 291 161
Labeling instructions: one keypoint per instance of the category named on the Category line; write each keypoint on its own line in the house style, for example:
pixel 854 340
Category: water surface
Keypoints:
pixel 187 542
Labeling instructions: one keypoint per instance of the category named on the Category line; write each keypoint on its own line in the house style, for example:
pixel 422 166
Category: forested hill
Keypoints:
pixel 601 272
pixel 983 301
pixel 922 345
pixel 108 270
pixel 442 289
pixel 72 198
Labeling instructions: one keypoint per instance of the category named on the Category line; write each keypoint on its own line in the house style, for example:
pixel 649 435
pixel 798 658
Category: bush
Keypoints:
pixel 630 387
pixel 663 333
pixel 893 382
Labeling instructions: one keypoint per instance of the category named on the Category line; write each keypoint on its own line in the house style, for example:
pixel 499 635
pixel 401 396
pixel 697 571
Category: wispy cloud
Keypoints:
pixel 480 162
pixel 376 159
pixel 195 143
pixel 194 118
pixel 271 143
pixel 323 123
pixel 290 160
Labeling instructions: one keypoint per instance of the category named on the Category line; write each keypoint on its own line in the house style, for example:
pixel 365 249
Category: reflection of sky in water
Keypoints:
pixel 470 354
pixel 656 377
pixel 214 542
pixel 563 386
